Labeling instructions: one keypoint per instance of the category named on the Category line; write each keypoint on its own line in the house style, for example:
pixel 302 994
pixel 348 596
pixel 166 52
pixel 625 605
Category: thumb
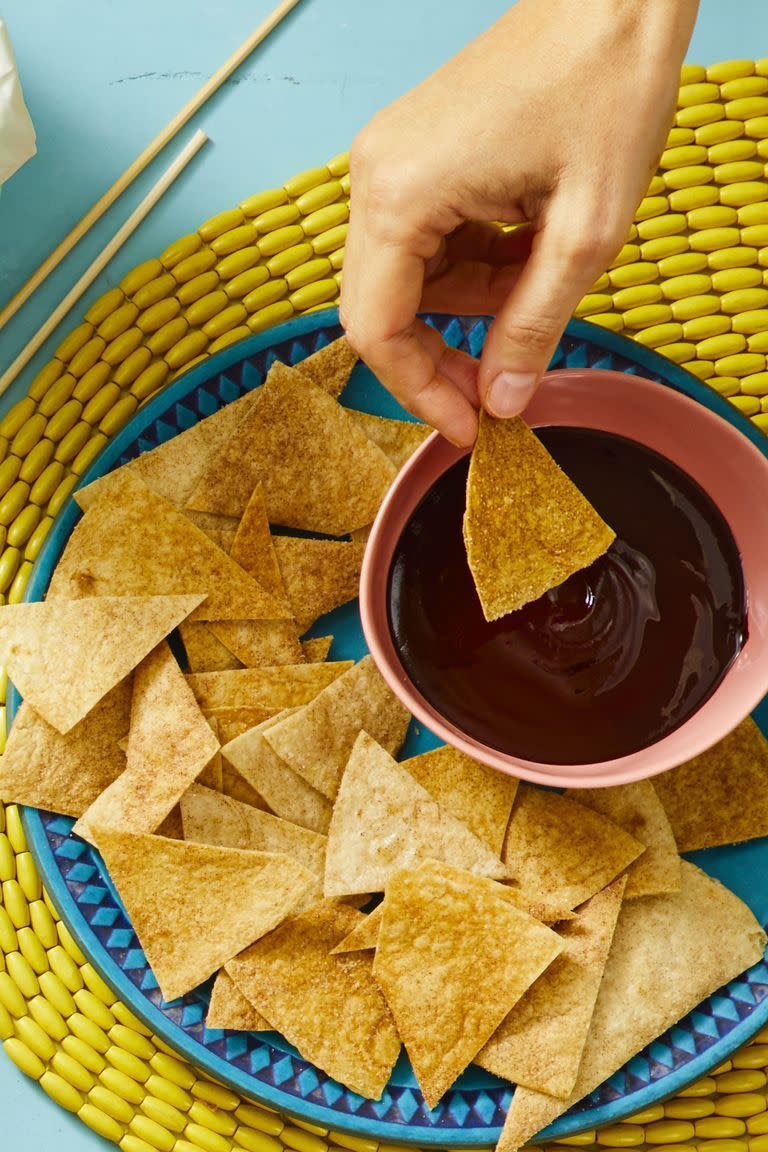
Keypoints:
pixel 524 335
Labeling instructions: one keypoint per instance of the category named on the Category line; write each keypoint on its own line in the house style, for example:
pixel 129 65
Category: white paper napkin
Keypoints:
pixel 17 136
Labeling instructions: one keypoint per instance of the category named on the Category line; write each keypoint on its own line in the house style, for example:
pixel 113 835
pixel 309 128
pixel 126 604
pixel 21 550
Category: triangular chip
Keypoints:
pixel 319 470
pixel 398 439
pixel 287 794
pixel 316 648
pixel 260 643
pixel 383 821
pixel 212 776
pixel 452 960
pixel 229 1009
pixel 253 549
pixel 44 769
pixel 540 1043
pixel 669 952
pixel 133 541
pixel 220 900
pixel 220 529
pixel 65 657
pixel 205 653
pixel 480 798
pixel 331 367
pixel 174 468
pixel 638 810
pixel 329 1007
pixel 236 786
pixel 721 796
pixel 527 527
pixel 286 686
pixel 170 743
pixel 559 853
pixel 317 740
pixel 319 575
pixel 210 818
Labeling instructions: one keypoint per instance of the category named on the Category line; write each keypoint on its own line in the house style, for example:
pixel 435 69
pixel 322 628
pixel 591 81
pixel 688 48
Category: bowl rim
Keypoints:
pixel 406 492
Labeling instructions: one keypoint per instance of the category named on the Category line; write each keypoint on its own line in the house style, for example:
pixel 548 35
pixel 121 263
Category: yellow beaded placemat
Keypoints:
pixel 691 281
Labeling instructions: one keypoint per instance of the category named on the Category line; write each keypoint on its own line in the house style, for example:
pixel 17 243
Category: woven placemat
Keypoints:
pixel 691 281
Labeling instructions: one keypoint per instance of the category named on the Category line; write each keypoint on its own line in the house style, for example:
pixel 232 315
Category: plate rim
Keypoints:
pixel 210 1063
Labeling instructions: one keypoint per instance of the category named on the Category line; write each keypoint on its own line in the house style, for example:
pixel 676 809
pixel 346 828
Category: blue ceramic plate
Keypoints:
pixel 262 1065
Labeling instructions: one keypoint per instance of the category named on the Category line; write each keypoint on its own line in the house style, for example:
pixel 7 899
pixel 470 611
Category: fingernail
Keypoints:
pixel 510 392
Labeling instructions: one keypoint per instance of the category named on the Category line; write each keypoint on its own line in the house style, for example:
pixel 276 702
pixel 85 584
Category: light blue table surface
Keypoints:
pixel 102 77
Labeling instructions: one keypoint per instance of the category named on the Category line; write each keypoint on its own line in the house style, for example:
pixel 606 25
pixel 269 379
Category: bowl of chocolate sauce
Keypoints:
pixel 633 665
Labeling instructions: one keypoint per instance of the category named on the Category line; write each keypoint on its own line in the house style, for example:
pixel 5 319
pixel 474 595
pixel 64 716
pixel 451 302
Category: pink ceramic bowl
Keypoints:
pixel 726 465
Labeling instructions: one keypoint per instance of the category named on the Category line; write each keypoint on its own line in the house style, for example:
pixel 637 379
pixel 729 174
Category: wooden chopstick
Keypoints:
pixel 140 163
pixel 101 261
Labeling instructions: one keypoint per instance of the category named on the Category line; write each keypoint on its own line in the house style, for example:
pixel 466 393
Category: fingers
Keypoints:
pixel 563 263
pixel 470 287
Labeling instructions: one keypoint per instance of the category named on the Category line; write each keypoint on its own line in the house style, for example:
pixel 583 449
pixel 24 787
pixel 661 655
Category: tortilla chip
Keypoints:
pixel 287 686
pixel 540 1043
pixel 365 934
pixel 721 796
pixel 361 535
pixel 44 769
pixel 170 743
pixel 234 785
pixel 657 971
pixel 638 810
pixel 287 794
pixel 398 439
pixel 559 853
pixel 452 960
pixel 480 798
pixel 220 529
pixel 329 1007
pixel 132 541
pixel 383 821
pixel 316 648
pixel 196 882
pixel 319 470
pixel 171 826
pixel 331 367
pixel 174 468
pixel 205 653
pixel 229 1009
pixel 260 643
pixel 65 657
pixel 317 741
pixel 527 528
pixel 211 818
pixel 252 547
pixel 319 575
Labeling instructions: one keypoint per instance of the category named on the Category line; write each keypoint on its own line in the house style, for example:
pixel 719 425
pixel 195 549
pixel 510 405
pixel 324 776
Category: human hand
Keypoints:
pixel 555 116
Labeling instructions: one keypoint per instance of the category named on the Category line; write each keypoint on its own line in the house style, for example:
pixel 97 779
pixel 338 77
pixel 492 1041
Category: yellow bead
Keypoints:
pixel 6 1024
pixel 676 1109
pixel 101 403
pixel 61 1092
pixel 686 199
pixel 670 224
pixel 319 292
pixel 22 974
pixel 738 170
pixel 289 258
pixel 16 594
pixel 31 1034
pixel 172 1069
pixel 308 272
pixel 652 250
pixel 149 380
pixel 164 1114
pixel 630 275
pixel 594 302
pixel 229 338
pixel 692 74
pixel 73 342
pixel 190 346
pixel 23 526
pixel 743 300
pixel 118 321
pixel 129 1040
pixel 246 282
pixel 280 239
pixel 757 1125
pixel 755 385
pixel 325 218
pixel 682 156
pixel 757 127
pixel 701 93
pixel 91 381
pixel 751 322
pixel 600 285
pixel 28 876
pixel 13 502
pixel 753 1056
pixel 747 405
pixel 699 114
pixel 164 338
pixel 677 287
pixel 7 872
pixel 758 1144
pixel 746 107
pixel 24 1058
pixel 310 178
pixel 731 151
pixel 235 238
pixel 182 248
pixel 55 991
pixel 301 1141
pixel 319 197
pixel 119 415
pixel 713 216
pixel 202 261
pixel 676 137
pixel 201 1137
pixel 701 368
pixel 705 1086
pixel 689 177
pixel 742 1081
pixel 9 472
pixel 719 133
pixel 139 276
pixel 257 1141
pixel 159 314
pixel 65 968
pixel 122 346
pixel 669 1132
pixel 216 1121
pixel 88 453
pixel 267 294
pixel 260 1119
pixel 739 257
pixel 330 240
pixel 126 1062
pixel 636 296
pixel 728 70
pixel 158 289
pixel 682 264
pixel 647 314
pixel 76 439
pixel 89 1032
pixel 277 313
pixel 225 320
pixel 37 539
pixel 200 311
pixel 610 320
pixel 743 364
pixel 756 236
pixel 719 1128
pixel 745 192
pixel 710 239
pixel 34 463
pixel 104 306
pixel 100 1123
pixel 729 279
pixel 199 286
pixel 45 379
pixel 263 201
pixel 726 385
pixel 223 222
pixel 61 495
pixel 240 261
pixel 46 483
pixel 164 1089
pixel 659 335
pixel 56 395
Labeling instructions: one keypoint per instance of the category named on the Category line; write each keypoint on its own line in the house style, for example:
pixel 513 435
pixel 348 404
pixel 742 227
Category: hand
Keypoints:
pixel 555 116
